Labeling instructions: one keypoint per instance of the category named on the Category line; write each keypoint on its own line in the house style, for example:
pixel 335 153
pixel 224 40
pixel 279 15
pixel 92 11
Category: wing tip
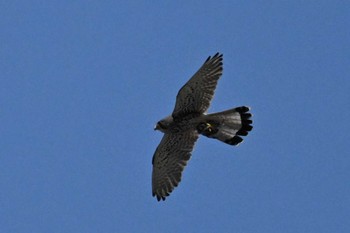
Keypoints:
pixel 217 55
pixel 160 197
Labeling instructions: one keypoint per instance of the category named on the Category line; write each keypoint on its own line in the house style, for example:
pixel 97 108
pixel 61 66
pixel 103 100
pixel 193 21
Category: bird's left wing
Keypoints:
pixel 195 96
pixel 169 160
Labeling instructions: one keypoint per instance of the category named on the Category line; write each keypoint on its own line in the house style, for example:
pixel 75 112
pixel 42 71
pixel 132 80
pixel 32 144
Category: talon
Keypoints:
pixel 206 128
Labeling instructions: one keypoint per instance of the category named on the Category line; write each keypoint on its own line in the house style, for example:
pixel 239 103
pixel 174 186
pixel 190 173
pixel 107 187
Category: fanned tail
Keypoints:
pixel 228 126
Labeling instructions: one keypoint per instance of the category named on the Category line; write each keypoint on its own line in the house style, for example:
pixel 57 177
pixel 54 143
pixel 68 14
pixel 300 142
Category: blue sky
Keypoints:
pixel 83 83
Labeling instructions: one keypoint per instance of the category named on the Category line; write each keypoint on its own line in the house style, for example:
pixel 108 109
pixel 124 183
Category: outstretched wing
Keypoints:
pixel 195 96
pixel 169 160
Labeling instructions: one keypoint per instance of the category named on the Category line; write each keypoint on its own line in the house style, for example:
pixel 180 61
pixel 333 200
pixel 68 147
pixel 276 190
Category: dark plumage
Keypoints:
pixel 189 119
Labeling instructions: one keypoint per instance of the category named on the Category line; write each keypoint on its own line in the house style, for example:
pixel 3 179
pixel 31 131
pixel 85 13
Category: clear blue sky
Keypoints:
pixel 82 84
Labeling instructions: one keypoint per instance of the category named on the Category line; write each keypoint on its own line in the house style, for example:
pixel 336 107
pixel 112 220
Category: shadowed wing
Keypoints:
pixel 195 96
pixel 169 160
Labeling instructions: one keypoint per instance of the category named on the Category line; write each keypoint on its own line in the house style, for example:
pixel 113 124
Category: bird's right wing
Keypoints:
pixel 169 160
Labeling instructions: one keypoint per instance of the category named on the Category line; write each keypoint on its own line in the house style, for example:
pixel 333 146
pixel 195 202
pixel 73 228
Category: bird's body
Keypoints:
pixel 189 120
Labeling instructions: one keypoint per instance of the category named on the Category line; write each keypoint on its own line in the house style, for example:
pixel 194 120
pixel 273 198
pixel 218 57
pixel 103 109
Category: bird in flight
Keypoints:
pixel 189 120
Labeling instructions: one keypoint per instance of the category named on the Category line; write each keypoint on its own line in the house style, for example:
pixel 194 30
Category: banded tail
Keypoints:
pixel 227 126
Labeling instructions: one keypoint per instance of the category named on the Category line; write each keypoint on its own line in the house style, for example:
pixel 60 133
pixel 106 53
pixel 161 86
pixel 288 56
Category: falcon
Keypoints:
pixel 189 120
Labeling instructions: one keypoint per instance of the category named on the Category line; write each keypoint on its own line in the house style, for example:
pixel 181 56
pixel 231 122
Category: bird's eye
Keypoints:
pixel 161 125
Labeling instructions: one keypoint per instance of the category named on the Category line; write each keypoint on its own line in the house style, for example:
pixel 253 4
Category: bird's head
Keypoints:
pixel 164 124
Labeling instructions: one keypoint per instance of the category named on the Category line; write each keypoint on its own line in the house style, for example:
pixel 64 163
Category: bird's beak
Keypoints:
pixel 156 127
